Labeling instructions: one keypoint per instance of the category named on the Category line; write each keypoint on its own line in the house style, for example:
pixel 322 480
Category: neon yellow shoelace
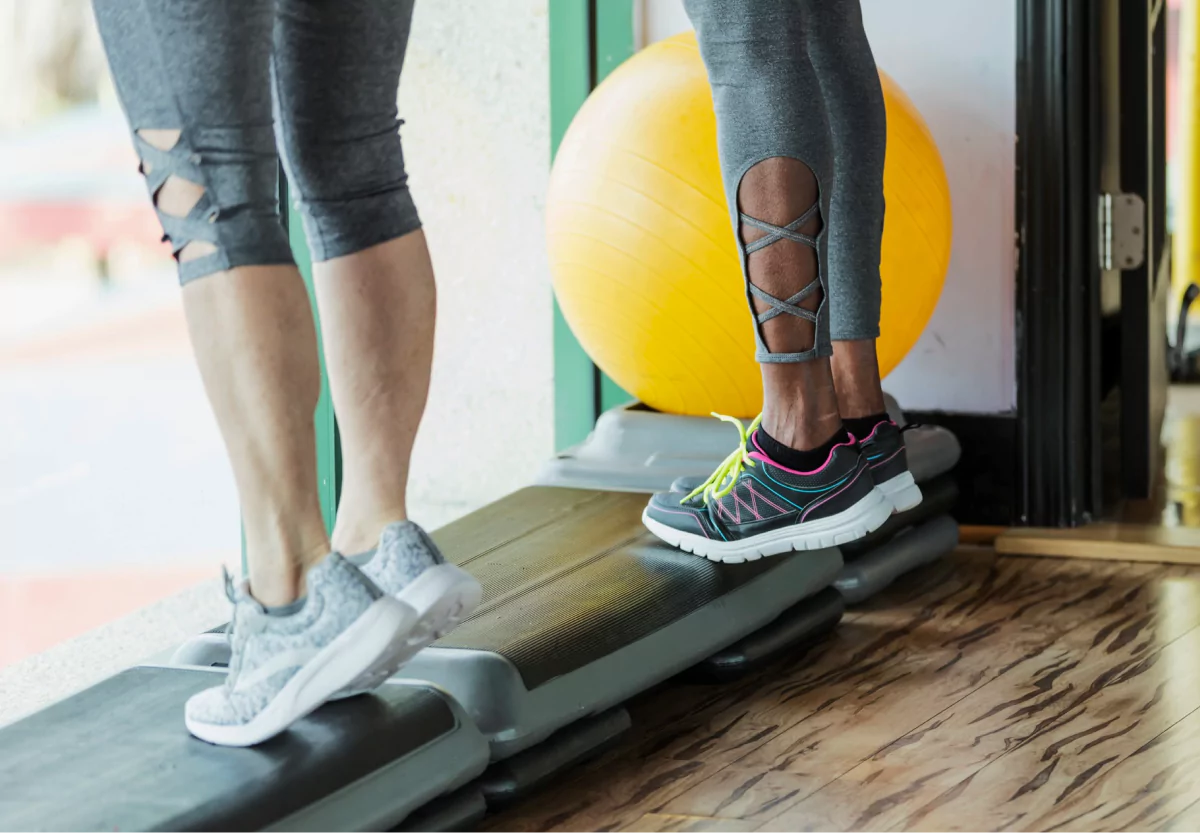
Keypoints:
pixel 721 482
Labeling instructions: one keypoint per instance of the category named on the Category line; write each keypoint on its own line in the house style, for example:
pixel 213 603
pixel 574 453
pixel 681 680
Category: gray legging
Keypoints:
pixel 237 76
pixel 790 78
pixel 796 78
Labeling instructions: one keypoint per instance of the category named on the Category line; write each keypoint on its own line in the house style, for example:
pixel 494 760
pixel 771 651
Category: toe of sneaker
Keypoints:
pixel 665 502
pixel 665 507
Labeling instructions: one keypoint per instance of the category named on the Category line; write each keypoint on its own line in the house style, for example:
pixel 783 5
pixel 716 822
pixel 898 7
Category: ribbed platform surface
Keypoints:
pixel 116 756
pixel 571 575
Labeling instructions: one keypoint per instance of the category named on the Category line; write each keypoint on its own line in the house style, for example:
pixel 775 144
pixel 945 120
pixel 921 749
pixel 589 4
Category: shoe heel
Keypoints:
pixel 902 491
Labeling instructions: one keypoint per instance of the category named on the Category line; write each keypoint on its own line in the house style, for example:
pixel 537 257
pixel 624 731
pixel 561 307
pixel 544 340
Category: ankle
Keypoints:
pixel 856 377
pixel 274 591
pixel 800 404
pixel 862 408
pixel 357 532
pixel 279 555
pixel 859 399
pixel 801 434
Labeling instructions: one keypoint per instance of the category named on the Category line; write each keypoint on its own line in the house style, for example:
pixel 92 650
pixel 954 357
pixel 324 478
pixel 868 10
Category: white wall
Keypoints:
pixel 475 98
pixel 957 60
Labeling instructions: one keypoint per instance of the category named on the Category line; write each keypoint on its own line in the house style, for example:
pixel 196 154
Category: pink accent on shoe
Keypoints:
pixel 690 515
pixel 738 504
pixel 852 481
pixel 734 515
pixel 893 456
pixel 756 496
pixel 761 456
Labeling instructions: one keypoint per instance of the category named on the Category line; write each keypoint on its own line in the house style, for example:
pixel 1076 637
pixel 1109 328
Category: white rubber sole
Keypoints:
pixel 374 646
pixel 902 491
pixel 441 597
pixel 858 521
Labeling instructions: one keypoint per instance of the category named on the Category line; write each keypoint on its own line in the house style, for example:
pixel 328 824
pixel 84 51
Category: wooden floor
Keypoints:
pixel 982 693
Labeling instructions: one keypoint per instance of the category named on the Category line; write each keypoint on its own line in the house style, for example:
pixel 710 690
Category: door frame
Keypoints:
pixel 1144 377
pixel 1059 131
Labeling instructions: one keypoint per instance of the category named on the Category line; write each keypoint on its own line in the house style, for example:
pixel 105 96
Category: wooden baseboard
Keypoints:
pixel 1107 542
pixel 979 535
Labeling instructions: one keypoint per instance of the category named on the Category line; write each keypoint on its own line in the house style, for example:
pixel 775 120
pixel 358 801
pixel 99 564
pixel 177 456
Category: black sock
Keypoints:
pixel 861 427
pixel 793 458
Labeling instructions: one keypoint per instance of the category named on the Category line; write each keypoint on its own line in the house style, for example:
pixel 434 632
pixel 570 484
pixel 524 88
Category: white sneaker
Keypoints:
pixel 409 566
pixel 345 634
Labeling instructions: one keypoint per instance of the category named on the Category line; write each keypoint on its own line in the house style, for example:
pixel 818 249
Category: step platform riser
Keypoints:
pixel 915 547
pixel 515 717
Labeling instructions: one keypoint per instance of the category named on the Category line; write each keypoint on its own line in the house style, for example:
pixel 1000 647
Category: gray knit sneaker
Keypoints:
pixel 345 634
pixel 408 565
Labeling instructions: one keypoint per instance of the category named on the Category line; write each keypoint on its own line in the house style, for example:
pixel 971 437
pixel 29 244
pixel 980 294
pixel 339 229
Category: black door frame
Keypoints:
pixel 1143 55
pixel 1058 479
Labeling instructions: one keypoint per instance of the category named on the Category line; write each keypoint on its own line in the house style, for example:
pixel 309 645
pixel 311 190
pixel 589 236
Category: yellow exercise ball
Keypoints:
pixel 643 258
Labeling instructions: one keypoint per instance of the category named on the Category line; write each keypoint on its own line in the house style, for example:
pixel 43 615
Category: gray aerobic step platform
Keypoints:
pixel 907 541
pixel 583 609
pixel 116 756
pixel 910 548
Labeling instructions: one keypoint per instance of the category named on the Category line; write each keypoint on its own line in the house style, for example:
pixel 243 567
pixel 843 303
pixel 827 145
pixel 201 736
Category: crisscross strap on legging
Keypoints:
pixel 158 166
pixel 774 234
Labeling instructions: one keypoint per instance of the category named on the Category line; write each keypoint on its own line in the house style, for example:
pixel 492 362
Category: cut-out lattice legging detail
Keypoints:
pixel 777 306
pixel 239 78
pixel 796 79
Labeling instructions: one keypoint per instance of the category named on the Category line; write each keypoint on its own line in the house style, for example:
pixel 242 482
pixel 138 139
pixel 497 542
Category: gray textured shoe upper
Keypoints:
pixel 404 552
pixel 268 650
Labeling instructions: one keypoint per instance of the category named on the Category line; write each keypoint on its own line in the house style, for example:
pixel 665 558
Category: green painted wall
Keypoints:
pixel 328 447
pixel 570 83
pixel 588 40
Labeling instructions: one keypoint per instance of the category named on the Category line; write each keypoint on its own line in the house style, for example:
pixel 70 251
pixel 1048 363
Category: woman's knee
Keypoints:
pixel 351 185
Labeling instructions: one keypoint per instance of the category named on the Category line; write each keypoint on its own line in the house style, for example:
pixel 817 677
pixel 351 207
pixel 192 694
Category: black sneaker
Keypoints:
pixel 751 506
pixel 888 459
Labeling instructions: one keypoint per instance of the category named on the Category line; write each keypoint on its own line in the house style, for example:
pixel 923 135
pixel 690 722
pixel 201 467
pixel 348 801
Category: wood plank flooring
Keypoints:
pixel 985 692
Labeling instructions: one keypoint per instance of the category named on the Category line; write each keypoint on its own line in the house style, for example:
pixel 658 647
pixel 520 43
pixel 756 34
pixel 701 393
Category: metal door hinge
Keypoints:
pixel 1122 231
